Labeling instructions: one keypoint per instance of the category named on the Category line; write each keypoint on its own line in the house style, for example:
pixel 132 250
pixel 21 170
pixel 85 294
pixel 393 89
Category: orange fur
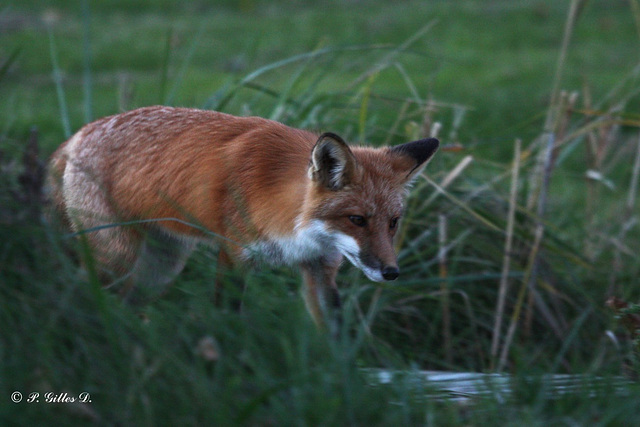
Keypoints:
pixel 290 195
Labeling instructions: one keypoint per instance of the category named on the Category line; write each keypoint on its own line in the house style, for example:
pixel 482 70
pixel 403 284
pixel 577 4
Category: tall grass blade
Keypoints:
pixel 166 60
pixel 531 273
pixel 6 65
pixel 506 262
pixel 409 82
pixel 555 91
pixel 451 176
pixel 224 100
pixel 465 207
pixel 390 57
pixel 87 84
pixel 633 187
pixel 444 288
pixel 283 97
pixel 57 78
pixel 185 65
pixel 400 118
pixel 97 292
pixel 540 213
pixel 364 107
pixel 635 10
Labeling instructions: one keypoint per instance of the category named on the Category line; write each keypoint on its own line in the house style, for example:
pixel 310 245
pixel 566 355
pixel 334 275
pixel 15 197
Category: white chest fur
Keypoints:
pixel 309 242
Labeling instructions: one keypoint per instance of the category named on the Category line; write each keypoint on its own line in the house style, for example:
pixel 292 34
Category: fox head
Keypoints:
pixel 358 195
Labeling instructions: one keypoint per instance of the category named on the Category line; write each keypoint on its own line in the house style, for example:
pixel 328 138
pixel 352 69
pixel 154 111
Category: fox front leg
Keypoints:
pixel 321 294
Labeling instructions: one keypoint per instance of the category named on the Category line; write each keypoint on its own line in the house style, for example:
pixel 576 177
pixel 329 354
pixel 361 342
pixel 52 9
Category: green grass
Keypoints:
pixel 373 72
pixel 497 60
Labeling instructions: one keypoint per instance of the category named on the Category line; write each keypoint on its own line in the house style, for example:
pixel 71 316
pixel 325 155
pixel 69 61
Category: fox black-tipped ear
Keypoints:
pixel 419 153
pixel 332 162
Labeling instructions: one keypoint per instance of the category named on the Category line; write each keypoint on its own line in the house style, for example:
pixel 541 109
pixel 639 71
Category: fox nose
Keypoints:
pixel 390 273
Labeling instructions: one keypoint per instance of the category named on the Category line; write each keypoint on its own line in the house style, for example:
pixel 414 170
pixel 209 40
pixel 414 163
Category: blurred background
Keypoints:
pixel 519 251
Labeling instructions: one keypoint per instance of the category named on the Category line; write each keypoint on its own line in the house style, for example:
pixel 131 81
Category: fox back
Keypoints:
pixel 151 183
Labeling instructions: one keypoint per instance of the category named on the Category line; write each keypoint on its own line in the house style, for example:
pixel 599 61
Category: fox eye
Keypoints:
pixel 358 220
pixel 393 223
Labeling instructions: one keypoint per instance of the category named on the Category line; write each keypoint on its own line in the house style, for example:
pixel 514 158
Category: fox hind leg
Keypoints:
pixel 91 216
pixel 161 257
pixel 138 260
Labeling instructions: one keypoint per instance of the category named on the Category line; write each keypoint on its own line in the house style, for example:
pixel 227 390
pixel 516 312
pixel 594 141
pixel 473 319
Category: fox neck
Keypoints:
pixel 308 242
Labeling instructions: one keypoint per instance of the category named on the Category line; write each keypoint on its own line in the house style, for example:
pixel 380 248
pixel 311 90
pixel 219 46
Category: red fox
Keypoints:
pixel 254 188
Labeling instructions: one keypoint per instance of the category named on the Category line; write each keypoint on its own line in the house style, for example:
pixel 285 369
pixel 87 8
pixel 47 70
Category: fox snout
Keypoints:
pixel 372 266
pixel 390 273
pixel 382 272
pixel 378 268
pixel 378 254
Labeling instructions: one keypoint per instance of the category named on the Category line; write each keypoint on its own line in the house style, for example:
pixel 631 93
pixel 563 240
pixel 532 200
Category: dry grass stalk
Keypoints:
pixel 451 176
pixel 444 287
pixel 539 232
pixel 633 187
pixel 574 10
pixel 555 122
pixel 401 116
pixel 504 279
pixel 464 206
pixel 565 110
pixel 628 222
pixel 553 112
pixel 427 120
pixel 530 273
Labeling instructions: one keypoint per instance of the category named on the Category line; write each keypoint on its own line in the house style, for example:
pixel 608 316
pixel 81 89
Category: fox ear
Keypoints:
pixel 416 155
pixel 332 162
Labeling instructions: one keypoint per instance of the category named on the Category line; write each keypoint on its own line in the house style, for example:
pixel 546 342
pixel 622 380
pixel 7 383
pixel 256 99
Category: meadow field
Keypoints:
pixel 518 252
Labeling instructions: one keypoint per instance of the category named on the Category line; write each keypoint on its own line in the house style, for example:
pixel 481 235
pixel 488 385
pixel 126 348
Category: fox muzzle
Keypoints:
pixel 390 273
